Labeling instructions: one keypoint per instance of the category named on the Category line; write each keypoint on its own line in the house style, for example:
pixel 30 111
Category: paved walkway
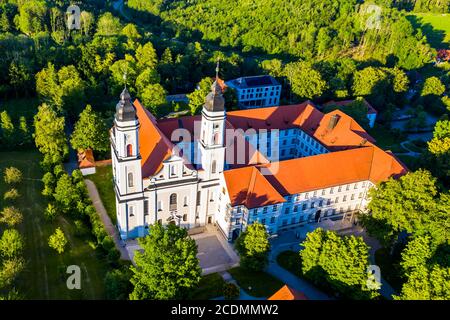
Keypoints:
pixel 110 228
pixel 216 254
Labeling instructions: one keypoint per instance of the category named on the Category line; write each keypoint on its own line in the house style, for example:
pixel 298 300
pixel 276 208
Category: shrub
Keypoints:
pixel 117 284
pixel 11 194
pixel 12 175
pixel 230 291
pixel 57 241
pixel 80 228
pixel 51 212
pixel 11 216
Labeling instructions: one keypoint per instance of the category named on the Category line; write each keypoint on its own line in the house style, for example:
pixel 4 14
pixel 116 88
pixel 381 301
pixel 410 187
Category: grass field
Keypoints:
pixel 45 275
pixel 103 179
pixel 262 284
pixel 436 27
pixel 210 286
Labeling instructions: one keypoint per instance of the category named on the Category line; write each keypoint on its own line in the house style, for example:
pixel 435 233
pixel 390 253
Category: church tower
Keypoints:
pixel 126 163
pixel 212 133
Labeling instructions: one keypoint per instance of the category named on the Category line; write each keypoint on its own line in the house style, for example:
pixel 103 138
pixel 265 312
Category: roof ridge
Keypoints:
pixel 251 184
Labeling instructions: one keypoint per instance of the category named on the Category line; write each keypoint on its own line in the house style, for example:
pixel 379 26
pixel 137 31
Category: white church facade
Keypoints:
pixel 282 166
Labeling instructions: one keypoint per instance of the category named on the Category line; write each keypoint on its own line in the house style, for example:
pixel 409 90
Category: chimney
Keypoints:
pixel 333 121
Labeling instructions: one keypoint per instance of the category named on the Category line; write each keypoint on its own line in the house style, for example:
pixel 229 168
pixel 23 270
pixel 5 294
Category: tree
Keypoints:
pixel 25 135
pixel 108 25
pixel 253 247
pixel 342 262
pixel 305 81
pixel 66 194
pixel 11 244
pixel 153 97
pixel 11 194
pixel 412 204
pixel 90 132
pixel 168 267
pixel 357 109
pixel 440 144
pixel 11 216
pixel 49 134
pixel 7 128
pixel 10 269
pixel 57 241
pixel 12 175
pixel 197 98
pixel 51 212
pixel 146 57
pixel 19 77
pixel 117 284
pixel 432 86
pixel 427 284
pixel 49 184
pixel 123 72
pixel 87 21
pixel 31 18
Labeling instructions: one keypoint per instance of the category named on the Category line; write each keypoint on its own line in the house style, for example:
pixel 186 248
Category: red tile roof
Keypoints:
pixel 287 293
pixel 312 173
pixel 247 186
pixel 154 146
pixel 86 159
pixel 362 160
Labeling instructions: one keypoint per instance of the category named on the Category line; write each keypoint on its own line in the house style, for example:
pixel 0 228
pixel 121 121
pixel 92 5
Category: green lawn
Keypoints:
pixel 262 284
pixel 103 179
pixel 436 27
pixel 210 286
pixel 290 261
pixel 45 275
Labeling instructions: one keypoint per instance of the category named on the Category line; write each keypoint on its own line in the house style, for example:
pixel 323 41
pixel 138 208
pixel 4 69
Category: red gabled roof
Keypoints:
pixel 287 293
pixel 247 186
pixel 311 173
pixel 86 159
pixel 154 146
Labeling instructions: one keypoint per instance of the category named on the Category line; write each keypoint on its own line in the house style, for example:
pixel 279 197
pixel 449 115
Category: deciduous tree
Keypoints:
pixel 168 267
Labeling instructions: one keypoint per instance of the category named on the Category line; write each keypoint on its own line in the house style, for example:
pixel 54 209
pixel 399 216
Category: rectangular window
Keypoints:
pixel 274 208
pixel 263 221
pixel 304 207
pixel 331 190
pixel 360 195
pixel 353 197
pixel 199 193
pixel 328 202
pixel 356 186
pixel 145 207
pixel 340 189
pixel 323 192
pixel 345 198
pixel 272 220
pixel 336 200
pixel 286 211
pixel 159 205
pixel 265 210
pixel 295 208
pixel 131 211
pixel 348 187
pixel 312 204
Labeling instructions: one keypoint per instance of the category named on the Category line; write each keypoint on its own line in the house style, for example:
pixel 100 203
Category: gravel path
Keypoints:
pixel 110 228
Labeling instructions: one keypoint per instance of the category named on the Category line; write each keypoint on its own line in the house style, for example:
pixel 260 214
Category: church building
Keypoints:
pixel 283 166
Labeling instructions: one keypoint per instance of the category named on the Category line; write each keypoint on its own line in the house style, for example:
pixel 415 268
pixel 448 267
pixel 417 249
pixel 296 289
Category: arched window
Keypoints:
pixel 185 217
pixel 173 201
pixel 130 180
pixel 214 167
pixel 129 150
